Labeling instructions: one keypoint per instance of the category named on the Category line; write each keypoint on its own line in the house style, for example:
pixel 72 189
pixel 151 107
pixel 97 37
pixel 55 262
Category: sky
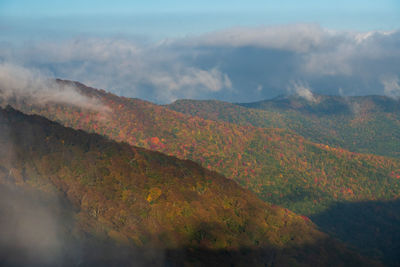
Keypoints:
pixel 236 51
pixel 161 19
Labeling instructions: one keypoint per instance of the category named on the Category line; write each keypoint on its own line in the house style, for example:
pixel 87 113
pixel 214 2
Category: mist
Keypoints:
pixel 39 224
pixel 391 86
pixel 29 230
pixel 302 90
pixel 33 87
pixel 30 220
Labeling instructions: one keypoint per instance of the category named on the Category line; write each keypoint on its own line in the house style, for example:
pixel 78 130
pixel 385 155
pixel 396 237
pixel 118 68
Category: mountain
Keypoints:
pixel 280 166
pixel 73 198
pixel 364 124
pixel 372 226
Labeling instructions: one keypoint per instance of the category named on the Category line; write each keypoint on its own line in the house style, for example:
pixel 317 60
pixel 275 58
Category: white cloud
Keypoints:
pixel 301 89
pixel 225 65
pixel 18 83
pixel 212 80
pixel 126 67
pixel 188 83
pixel 298 37
pixel 391 85
pixel 330 62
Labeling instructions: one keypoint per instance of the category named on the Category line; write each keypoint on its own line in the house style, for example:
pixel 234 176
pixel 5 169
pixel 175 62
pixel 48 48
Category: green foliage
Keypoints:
pixel 369 124
pixel 305 176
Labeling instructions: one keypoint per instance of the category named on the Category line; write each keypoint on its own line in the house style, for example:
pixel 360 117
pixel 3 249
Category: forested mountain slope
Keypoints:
pixel 151 208
pixel 279 166
pixel 365 124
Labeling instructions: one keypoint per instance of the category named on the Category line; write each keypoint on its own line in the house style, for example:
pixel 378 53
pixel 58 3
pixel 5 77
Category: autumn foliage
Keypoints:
pixel 278 165
pixel 138 199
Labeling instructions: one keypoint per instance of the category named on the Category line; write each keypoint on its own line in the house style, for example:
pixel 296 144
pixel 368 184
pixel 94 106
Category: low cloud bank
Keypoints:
pixel 227 65
pixel 297 37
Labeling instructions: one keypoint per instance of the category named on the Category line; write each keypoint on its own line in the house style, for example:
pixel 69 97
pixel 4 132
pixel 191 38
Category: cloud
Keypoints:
pixel 297 38
pixel 350 54
pixel 124 67
pixel 354 106
pixel 22 84
pixel 208 80
pixel 226 65
pixel 302 90
pixel 391 85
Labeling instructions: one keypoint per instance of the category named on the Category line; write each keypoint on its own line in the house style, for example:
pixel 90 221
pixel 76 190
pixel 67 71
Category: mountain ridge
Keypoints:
pixel 280 166
pixel 346 122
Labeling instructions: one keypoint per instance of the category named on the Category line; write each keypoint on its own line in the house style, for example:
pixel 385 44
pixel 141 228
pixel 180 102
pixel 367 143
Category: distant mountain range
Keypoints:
pixel 364 124
pixel 103 203
pixel 285 166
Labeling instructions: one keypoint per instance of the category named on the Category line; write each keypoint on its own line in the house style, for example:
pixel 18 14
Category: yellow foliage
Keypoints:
pixel 154 194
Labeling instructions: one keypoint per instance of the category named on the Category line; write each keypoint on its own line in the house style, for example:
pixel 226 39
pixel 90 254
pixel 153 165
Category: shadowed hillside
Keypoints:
pixel 371 226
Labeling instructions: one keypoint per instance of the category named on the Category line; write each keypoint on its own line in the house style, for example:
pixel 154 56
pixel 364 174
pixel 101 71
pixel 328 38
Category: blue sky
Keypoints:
pixel 287 7
pixel 175 18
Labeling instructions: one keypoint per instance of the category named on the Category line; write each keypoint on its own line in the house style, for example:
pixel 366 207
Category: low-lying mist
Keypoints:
pixel 19 84
pixel 29 229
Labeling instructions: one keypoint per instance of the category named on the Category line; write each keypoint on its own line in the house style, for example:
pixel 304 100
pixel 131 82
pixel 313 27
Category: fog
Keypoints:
pixel 18 83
